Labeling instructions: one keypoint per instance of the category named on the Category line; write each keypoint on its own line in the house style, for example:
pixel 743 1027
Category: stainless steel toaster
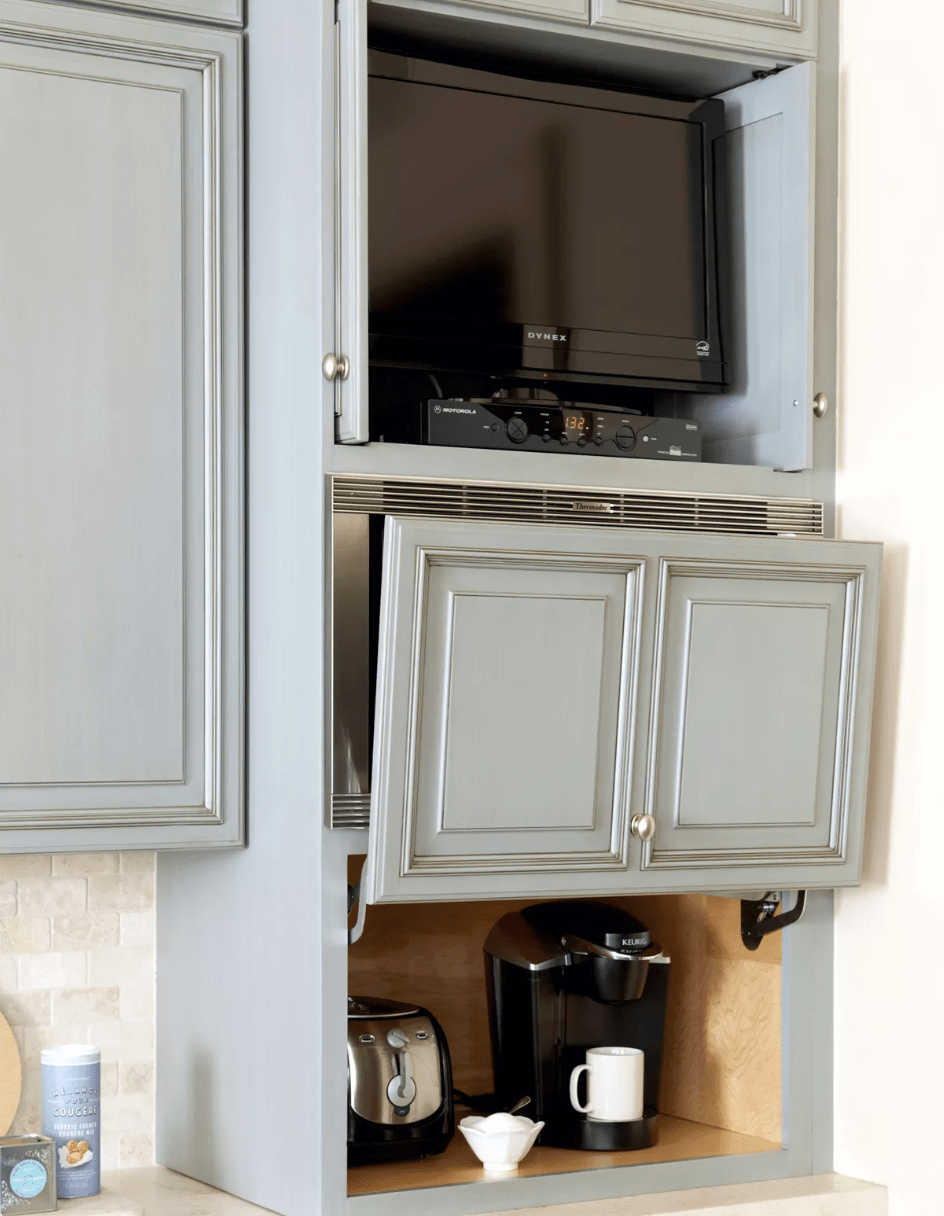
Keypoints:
pixel 399 1082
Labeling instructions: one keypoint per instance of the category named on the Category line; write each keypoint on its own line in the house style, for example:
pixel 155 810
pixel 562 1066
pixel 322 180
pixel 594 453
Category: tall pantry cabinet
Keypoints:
pixel 253 945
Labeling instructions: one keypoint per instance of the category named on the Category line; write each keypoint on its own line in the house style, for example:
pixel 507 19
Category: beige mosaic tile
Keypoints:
pixel 51 896
pixel 121 892
pixel 77 934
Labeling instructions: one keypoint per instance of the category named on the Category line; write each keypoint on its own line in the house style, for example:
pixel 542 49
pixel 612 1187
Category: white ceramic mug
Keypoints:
pixel 614 1084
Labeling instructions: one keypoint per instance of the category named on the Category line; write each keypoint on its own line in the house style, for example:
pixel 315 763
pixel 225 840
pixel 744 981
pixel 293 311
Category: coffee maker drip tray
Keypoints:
pixel 598 1135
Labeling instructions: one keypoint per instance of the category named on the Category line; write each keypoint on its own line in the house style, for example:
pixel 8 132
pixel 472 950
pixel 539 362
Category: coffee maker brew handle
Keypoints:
pixel 574 1079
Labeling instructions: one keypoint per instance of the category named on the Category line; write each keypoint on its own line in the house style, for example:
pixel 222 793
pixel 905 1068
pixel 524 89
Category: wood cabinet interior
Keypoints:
pixel 721 1078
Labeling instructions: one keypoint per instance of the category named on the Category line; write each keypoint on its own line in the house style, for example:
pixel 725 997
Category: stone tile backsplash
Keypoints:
pixel 77 966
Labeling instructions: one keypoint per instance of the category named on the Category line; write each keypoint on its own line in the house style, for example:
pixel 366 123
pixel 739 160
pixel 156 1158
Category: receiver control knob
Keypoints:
pixel 517 430
pixel 625 438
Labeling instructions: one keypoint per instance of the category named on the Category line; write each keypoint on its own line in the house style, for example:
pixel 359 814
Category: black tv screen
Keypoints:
pixel 542 230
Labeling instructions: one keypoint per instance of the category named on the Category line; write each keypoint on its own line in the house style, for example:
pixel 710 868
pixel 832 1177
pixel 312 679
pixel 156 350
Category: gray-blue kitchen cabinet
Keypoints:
pixel 121 498
pixel 543 690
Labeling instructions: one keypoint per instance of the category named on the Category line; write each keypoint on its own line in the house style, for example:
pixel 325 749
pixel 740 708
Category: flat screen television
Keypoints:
pixel 541 231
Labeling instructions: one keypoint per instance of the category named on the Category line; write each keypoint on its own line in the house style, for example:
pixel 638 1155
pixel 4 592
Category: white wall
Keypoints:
pixel 890 933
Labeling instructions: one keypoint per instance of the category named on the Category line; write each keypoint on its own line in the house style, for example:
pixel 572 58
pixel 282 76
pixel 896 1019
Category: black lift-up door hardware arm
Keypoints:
pixel 758 919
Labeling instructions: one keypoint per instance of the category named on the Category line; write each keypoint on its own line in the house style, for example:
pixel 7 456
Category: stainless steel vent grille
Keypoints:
pixel 350 810
pixel 648 509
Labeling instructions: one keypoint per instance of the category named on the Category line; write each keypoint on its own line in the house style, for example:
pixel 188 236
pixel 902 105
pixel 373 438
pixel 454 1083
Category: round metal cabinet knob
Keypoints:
pixel 820 404
pixel 643 827
pixel 336 367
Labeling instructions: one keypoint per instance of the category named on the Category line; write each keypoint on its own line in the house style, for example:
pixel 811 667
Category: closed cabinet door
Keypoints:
pixel 776 26
pixel 762 669
pixel 120 464
pixel 506 686
pixel 216 12
pixel 561 10
pixel 586 711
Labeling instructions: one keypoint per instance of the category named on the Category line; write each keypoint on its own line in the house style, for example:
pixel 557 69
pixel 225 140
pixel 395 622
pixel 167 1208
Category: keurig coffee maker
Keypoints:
pixel 564 977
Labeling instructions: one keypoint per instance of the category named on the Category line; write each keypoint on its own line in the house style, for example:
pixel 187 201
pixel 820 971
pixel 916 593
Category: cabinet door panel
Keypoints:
pixel 765 415
pixel 120 604
pixel 347 293
pixel 761 695
pixel 506 688
pixel 562 10
pixel 223 12
pixel 787 26
pixel 509 711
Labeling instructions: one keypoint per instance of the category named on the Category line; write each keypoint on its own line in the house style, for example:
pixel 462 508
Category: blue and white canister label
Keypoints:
pixel 72 1117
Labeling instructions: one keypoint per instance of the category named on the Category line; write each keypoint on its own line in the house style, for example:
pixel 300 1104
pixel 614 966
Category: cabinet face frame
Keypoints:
pixel 203 69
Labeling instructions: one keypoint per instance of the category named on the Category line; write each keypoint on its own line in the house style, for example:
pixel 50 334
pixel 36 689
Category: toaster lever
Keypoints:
pixel 402 1088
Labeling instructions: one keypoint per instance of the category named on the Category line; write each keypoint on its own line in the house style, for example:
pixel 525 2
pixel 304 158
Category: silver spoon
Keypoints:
pixel 520 1103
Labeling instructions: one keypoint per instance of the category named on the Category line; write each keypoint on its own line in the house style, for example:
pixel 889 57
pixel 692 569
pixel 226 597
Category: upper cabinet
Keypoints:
pixel 559 10
pixel 121 611
pixel 764 191
pixel 585 711
pixel 780 27
pixel 216 12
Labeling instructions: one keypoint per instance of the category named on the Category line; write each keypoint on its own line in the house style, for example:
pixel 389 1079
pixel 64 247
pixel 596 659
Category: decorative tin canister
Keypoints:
pixel 72 1116
pixel 27 1174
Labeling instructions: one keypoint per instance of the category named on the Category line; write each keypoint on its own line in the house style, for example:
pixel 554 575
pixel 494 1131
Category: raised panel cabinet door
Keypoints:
pixel 775 26
pixel 763 660
pixel 562 10
pixel 216 12
pixel 503 745
pixel 346 291
pixel 766 169
pixel 121 634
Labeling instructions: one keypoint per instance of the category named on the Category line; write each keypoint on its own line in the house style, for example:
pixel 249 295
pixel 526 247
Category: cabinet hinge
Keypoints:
pixel 757 917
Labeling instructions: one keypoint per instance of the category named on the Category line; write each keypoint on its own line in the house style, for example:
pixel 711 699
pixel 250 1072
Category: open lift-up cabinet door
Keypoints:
pixel 541 687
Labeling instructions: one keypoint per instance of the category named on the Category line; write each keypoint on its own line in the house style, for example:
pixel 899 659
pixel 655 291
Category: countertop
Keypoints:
pixel 159 1192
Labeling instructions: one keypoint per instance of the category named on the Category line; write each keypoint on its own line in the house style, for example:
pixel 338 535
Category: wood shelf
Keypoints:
pixel 678 1140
